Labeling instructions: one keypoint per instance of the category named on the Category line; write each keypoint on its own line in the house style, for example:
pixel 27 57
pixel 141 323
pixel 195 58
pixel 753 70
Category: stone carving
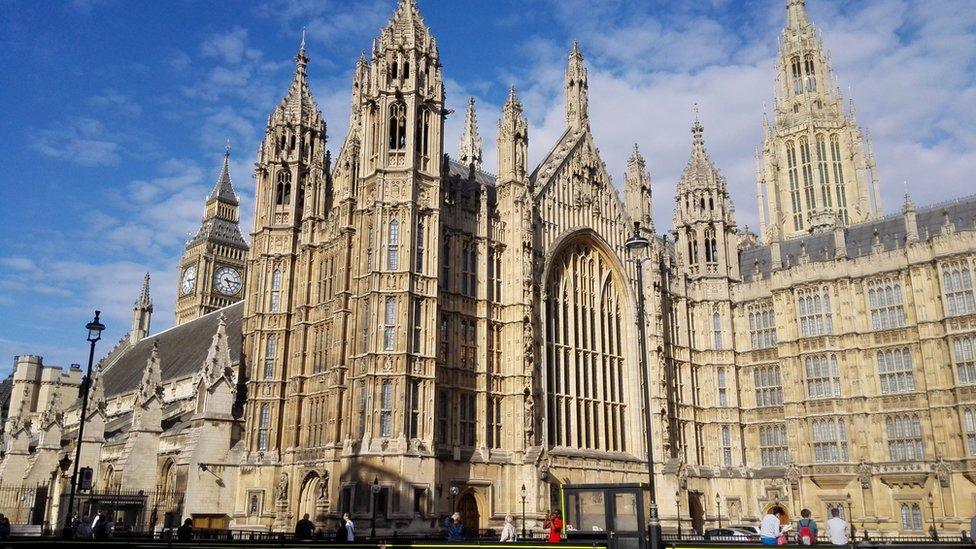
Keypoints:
pixel 864 475
pixel 281 492
pixel 529 417
pixel 792 474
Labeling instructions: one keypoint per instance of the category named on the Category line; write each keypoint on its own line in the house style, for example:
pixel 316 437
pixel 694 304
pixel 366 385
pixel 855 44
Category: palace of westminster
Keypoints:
pixel 404 331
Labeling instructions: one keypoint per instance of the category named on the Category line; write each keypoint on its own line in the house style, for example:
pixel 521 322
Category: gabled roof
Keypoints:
pixel 182 351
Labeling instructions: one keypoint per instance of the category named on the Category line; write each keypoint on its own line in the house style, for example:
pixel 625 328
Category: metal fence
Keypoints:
pixel 129 511
pixel 24 504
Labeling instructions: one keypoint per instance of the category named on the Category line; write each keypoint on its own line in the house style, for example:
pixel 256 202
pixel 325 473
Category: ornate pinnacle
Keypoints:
pixel 144 301
pixel 697 129
pixel 469 151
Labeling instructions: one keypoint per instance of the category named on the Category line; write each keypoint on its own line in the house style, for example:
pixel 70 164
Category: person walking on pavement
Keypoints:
pixel 305 528
pixel 185 532
pixel 455 528
pixel 350 527
pixel 508 530
pixel 837 528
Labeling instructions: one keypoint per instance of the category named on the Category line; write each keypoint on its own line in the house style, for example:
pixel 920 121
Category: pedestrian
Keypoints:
pixel 100 527
pixel 4 527
pixel 837 528
pixel 554 523
pixel 185 532
pixel 770 530
pixel 349 527
pixel 455 528
pixel 972 532
pixel 508 530
pixel 806 529
pixel 304 529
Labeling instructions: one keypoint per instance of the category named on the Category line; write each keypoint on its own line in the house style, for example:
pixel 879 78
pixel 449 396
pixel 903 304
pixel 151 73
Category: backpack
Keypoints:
pixel 806 533
pixel 340 533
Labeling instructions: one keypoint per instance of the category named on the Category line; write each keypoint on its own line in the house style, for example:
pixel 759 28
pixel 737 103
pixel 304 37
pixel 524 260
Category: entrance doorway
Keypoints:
pixel 697 511
pixel 468 507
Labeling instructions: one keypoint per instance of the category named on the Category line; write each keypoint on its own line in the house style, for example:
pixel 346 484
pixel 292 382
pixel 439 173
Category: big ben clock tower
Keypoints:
pixel 212 269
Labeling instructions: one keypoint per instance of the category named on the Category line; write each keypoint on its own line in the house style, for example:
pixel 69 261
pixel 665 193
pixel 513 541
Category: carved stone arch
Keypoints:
pixel 588 403
pixel 308 496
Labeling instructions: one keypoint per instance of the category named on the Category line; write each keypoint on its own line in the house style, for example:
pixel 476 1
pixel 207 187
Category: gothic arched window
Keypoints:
pixel 586 372
pixel 389 327
pixel 838 163
pixel 275 304
pixel 797 75
pixel 717 329
pixel 808 189
pixel 270 351
pixel 811 76
pixel 264 424
pixel 398 126
pixel 794 186
pixel 393 246
pixel 419 263
pixel 283 188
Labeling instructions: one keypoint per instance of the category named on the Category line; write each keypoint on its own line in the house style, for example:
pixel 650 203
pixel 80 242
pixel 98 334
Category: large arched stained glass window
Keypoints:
pixel 585 356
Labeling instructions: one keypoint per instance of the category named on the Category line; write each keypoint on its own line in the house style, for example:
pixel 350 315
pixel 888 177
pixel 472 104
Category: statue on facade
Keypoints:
pixel 529 417
pixel 282 491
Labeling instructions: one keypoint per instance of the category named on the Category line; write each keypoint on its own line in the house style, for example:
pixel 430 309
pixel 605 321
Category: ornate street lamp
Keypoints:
pixel 850 514
pixel 375 488
pixel 718 509
pixel 677 510
pixel 454 493
pixel 932 530
pixel 95 329
pixel 637 243
pixel 523 492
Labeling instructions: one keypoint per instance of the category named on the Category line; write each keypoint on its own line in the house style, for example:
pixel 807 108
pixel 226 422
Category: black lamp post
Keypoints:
pixel 718 509
pixel 677 510
pixel 523 493
pixel 375 488
pixel 454 493
pixel 932 530
pixel 850 514
pixel 95 329
pixel 637 243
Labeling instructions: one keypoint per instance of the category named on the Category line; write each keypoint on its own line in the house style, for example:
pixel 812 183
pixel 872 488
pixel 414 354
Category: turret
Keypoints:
pixel 815 165
pixel 577 90
pixel 513 141
pixel 704 221
pixel 637 193
pixel 141 314
pixel 469 151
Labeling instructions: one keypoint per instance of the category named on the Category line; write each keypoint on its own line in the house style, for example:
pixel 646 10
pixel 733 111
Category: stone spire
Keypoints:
pixel 224 190
pixel 576 87
pixel 513 141
pixel 141 314
pixel 469 151
pixel 796 15
pixel 638 191
pixel 816 166
pixel 298 105
pixel 218 363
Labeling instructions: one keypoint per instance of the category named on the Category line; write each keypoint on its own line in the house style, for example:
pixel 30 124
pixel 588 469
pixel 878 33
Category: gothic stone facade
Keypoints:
pixel 413 321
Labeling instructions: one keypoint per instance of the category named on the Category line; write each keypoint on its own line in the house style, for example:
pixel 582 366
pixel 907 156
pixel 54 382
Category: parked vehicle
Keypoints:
pixel 754 529
pixel 730 534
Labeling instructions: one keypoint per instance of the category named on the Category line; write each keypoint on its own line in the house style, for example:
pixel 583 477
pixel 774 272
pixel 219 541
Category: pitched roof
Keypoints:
pixel 860 239
pixel 182 351
pixel 224 190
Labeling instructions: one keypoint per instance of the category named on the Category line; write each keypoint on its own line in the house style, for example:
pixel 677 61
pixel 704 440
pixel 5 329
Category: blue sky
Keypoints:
pixel 115 114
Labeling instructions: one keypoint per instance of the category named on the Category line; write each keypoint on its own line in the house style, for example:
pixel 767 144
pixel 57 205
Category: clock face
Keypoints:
pixel 189 281
pixel 228 281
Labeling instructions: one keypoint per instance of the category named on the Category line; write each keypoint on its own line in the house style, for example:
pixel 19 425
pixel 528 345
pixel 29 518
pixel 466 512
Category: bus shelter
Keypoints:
pixel 615 513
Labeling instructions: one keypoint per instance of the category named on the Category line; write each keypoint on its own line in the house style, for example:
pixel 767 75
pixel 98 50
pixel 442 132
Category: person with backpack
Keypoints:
pixel 806 529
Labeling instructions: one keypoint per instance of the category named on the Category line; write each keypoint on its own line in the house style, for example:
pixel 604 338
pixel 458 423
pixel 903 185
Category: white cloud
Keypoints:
pixel 81 140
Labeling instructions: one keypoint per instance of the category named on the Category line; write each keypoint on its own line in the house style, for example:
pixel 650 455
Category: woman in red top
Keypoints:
pixel 555 525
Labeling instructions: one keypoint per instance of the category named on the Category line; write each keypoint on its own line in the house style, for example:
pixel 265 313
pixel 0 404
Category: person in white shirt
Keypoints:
pixel 837 528
pixel 770 529
pixel 508 530
pixel 350 529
